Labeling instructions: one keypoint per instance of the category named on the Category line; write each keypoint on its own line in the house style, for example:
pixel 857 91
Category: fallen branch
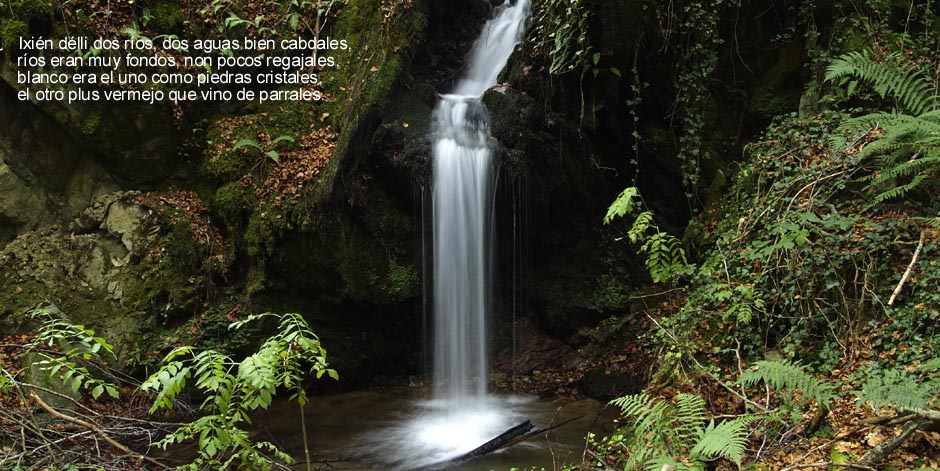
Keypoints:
pixel 877 454
pixel 535 432
pixel 889 420
pixel 514 435
pixel 910 267
pixel 95 429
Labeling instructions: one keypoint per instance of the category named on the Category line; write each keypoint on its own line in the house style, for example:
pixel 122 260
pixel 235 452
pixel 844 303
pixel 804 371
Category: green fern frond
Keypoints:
pixel 908 147
pixel 900 191
pixel 690 415
pixel 914 92
pixel 633 405
pixel 725 440
pixel 895 389
pixel 783 375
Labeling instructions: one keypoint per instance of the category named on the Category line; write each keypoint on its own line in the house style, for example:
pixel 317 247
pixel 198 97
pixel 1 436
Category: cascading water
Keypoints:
pixel 462 198
pixel 461 416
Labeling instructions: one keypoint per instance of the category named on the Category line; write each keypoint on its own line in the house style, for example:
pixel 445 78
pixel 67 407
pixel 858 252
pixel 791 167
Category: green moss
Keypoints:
pixel 403 281
pixel 11 30
pixel 263 231
pixel 91 122
pixel 268 223
pixel 225 165
pixel 17 17
pixel 233 202
pixel 609 293
pixel 166 17
pixel 287 118
pixel 174 279
pixel 30 9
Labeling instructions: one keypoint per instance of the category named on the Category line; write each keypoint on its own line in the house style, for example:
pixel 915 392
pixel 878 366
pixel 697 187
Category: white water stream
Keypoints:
pixel 462 203
pixel 461 415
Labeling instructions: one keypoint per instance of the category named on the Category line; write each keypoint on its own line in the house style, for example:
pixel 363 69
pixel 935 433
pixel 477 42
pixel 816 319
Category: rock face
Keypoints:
pixel 21 208
pixel 85 275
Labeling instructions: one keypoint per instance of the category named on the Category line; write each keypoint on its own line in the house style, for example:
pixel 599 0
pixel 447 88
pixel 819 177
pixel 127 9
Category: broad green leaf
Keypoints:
pixel 622 205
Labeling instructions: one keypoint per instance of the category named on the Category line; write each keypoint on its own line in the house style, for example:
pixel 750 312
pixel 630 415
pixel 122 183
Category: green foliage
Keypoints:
pixel 623 205
pixel 267 151
pixel 562 32
pixel 784 375
pixel 76 344
pixel 797 262
pixel 11 30
pixel 665 257
pixel 609 293
pixel 908 151
pixel 725 440
pixel 907 144
pixel 916 388
pixel 675 434
pixel 699 43
pixel 890 76
pixel 403 280
pixel 232 390
pixel 16 19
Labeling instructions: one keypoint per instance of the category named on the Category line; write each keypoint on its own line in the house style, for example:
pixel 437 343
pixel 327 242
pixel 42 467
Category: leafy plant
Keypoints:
pixel 271 153
pixel 679 435
pixel 783 375
pixel 266 152
pixel 890 76
pixel 665 257
pixel 907 141
pixel 914 389
pixel 562 29
pixel 232 390
pixel 75 344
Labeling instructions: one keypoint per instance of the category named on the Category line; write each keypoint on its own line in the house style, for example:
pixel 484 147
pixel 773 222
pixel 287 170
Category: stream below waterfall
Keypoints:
pixel 371 431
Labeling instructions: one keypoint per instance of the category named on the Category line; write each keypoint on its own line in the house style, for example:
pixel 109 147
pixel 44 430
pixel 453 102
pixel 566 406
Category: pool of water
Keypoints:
pixel 401 430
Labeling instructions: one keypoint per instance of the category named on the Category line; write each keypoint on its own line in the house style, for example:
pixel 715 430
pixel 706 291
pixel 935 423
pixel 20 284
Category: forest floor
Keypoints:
pixel 846 433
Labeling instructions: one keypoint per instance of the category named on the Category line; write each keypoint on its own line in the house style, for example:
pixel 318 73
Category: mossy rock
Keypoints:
pixel 166 17
pixel 11 30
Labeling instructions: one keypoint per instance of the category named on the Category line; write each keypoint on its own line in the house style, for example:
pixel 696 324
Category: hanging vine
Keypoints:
pixel 697 58
pixel 562 31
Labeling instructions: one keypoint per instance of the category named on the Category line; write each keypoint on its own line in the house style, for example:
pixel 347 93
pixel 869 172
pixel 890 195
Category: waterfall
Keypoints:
pixel 461 204
pixel 460 415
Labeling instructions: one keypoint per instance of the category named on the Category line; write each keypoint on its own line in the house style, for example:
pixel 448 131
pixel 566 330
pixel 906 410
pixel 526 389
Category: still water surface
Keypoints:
pixel 371 431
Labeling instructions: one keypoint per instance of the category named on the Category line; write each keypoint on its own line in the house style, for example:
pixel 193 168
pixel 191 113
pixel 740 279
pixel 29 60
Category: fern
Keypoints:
pixel 908 85
pixel 77 345
pixel 909 144
pixel 727 439
pixel 690 415
pixel 676 434
pixel 895 388
pixel 233 390
pixel 783 375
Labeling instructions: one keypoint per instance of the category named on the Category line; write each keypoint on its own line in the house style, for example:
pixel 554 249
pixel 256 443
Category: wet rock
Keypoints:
pixel 608 383
pixel 21 207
